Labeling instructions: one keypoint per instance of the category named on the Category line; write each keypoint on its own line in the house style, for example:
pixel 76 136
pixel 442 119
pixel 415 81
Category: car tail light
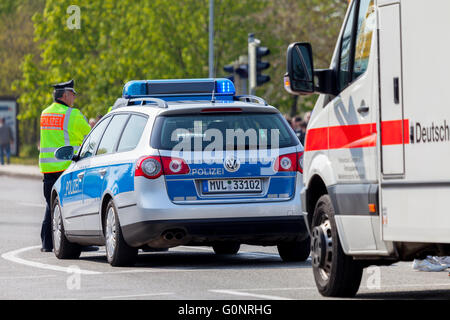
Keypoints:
pixel 300 162
pixel 149 167
pixel 173 166
pixel 289 162
pixel 286 162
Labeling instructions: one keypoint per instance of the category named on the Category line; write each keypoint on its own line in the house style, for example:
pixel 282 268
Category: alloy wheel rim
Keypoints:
pixel 110 232
pixel 322 249
pixel 57 227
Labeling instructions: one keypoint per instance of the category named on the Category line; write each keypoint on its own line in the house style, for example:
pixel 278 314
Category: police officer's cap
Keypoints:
pixel 63 86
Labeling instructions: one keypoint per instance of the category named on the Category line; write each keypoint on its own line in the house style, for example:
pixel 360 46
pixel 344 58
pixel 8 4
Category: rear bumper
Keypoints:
pixel 260 231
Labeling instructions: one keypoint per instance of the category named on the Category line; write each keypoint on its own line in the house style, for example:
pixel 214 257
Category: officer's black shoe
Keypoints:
pixel 89 248
pixel 46 250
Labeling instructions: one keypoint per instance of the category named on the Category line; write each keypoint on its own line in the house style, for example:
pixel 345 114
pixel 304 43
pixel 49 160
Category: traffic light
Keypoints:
pixel 238 71
pixel 241 69
pixel 229 68
pixel 262 65
pixel 255 64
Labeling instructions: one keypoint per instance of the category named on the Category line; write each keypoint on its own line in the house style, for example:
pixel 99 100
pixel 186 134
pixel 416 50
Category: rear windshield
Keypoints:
pixel 238 131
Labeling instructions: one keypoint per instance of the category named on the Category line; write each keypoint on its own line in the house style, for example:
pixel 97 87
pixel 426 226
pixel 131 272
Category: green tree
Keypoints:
pixel 121 41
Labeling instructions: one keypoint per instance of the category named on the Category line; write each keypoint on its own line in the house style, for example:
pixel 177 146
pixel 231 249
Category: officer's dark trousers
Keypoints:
pixel 46 230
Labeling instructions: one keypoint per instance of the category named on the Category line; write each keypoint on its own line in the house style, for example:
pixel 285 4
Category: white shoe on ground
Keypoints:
pixel 430 264
pixel 445 261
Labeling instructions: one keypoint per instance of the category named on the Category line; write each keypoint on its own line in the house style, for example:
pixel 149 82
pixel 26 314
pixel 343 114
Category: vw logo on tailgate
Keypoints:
pixel 231 164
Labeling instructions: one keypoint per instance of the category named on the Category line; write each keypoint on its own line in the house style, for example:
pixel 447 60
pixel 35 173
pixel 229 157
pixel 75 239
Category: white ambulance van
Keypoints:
pixel 377 150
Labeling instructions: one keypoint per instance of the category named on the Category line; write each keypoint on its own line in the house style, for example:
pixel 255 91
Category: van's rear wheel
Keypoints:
pixel 118 252
pixel 226 248
pixel 62 248
pixel 295 251
pixel 335 273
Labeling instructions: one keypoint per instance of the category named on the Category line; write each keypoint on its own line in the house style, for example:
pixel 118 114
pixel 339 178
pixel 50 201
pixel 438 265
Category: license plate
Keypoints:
pixel 232 185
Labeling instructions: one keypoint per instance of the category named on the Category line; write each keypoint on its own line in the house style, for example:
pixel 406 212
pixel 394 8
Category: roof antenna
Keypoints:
pixel 213 98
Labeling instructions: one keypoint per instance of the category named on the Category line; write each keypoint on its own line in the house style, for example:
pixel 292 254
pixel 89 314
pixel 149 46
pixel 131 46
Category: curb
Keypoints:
pixel 26 175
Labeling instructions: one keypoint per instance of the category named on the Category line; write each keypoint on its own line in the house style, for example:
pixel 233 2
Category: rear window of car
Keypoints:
pixel 238 131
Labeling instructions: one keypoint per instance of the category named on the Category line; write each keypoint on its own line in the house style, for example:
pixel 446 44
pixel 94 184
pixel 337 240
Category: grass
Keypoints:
pixel 25 161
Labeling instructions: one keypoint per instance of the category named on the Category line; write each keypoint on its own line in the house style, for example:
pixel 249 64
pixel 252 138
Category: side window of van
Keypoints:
pixel 356 42
pixel 365 28
pixel 345 52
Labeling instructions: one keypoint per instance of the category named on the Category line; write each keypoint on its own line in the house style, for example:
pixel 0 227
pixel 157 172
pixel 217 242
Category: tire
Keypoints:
pixel 118 252
pixel 227 248
pixel 335 273
pixel 62 248
pixel 295 251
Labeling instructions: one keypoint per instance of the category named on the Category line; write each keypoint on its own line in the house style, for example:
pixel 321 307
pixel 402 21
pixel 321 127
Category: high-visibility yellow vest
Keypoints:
pixel 60 126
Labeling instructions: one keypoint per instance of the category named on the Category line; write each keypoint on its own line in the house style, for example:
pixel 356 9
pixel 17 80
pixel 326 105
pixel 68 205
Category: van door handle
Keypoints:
pixel 396 91
pixel 102 172
pixel 80 175
pixel 363 109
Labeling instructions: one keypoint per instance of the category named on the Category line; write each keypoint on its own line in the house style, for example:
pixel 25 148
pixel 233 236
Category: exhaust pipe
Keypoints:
pixel 171 235
pixel 168 236
pixel 179 235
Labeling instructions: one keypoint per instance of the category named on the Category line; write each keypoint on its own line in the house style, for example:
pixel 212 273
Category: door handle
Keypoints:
pixel 102 171
pixel 396 91
pixel 80 175
pixel 363 109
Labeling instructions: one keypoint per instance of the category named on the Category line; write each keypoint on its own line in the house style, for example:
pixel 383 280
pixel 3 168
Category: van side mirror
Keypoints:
pixel 300 69
pixel 65 153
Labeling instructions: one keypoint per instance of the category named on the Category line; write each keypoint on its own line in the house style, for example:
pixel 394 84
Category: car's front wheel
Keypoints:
pixel 118 252
pixel 62 248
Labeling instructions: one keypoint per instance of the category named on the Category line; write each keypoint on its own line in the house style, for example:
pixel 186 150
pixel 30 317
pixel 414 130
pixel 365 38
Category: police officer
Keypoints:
pixel 61 125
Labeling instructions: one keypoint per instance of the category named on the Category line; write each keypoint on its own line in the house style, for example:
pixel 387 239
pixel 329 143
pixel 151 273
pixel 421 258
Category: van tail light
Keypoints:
pixel 289 162
pixel 173 166
pixel 149 167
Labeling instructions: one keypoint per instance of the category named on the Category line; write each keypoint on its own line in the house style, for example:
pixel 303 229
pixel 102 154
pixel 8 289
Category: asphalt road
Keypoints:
pixel 181 273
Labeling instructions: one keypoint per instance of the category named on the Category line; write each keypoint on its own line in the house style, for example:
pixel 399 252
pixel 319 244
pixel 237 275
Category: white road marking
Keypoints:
pixel 13 257
pixel 140 295
pixel 246 294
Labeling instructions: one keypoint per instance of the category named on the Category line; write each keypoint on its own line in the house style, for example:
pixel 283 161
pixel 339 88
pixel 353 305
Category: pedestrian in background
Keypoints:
pixel 296 121
pixel 303 126
pixel 6 139
pixel 61 125
pixel 288 119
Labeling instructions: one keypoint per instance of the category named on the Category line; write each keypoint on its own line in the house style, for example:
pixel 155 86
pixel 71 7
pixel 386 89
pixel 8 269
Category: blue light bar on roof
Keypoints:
pixel 182 88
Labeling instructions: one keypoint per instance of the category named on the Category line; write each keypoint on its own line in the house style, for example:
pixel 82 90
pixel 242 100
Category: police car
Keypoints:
pixel 182 162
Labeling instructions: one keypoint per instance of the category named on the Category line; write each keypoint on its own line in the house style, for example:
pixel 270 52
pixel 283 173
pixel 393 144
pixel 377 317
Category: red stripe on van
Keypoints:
pixel 356 136
pixel 391 132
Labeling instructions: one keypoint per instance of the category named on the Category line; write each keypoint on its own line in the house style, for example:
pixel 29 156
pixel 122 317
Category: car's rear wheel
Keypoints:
pixel 227 248
pixel 118 252
pixel 295 250
pixel 335 273
pixel 62 248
